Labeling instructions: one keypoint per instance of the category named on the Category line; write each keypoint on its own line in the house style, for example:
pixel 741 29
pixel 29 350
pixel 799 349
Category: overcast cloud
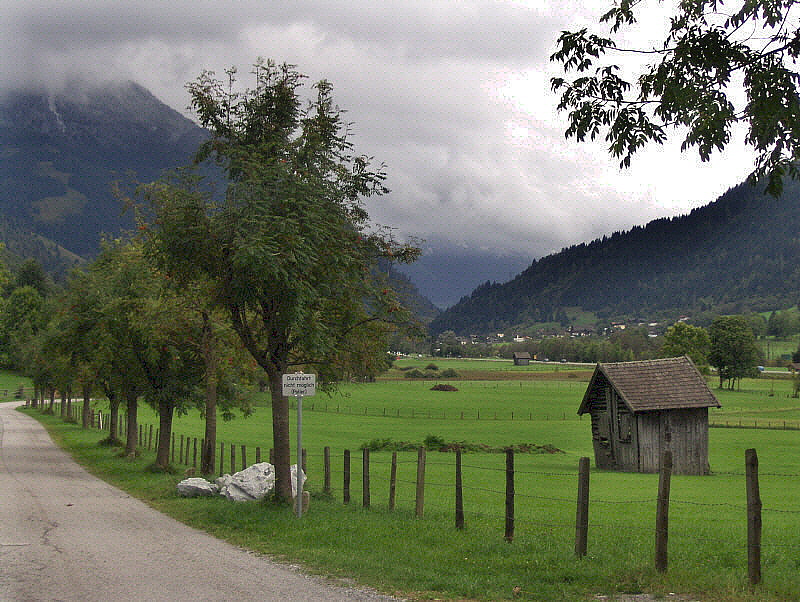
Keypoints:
pixel 453 97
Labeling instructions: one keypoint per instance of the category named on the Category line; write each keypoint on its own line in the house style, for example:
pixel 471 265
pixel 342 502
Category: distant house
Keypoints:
pixel 522 358
pixel 640 409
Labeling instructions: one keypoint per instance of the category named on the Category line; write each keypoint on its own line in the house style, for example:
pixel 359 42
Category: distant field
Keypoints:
pixel 394 551
pixel 774 349
pixel 490 369
pixel 10 384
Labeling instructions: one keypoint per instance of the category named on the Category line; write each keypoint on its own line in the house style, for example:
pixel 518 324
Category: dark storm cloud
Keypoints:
pixel 453 97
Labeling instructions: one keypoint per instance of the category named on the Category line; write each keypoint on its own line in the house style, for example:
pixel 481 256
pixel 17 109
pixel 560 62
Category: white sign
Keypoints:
pixel 299 385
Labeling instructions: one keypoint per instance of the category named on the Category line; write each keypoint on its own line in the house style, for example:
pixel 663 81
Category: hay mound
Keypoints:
pixel 443 388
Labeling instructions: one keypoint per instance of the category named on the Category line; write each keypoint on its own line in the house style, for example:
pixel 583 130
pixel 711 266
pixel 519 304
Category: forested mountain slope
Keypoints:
pixel 741 252
pixel 60 153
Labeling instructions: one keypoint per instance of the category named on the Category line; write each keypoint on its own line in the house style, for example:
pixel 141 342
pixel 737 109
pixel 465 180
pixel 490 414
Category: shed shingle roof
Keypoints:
pixel 649 385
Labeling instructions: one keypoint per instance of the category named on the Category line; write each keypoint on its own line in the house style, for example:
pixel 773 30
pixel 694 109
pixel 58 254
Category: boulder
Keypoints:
pixel 253 483
pixel 294 479
pixel 196 487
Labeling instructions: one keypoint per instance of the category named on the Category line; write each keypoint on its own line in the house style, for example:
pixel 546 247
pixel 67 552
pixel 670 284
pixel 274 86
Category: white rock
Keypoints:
pixel 294 479
pixel 253 483
pixel 196 487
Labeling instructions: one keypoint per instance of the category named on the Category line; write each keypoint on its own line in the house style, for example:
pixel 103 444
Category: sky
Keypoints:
pixel 453 97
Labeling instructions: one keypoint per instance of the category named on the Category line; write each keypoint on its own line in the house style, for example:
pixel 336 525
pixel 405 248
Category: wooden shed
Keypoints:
pixel 522 358
pixel 641 409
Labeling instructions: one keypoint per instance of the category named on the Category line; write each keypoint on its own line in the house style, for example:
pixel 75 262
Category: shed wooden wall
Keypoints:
pixel 683 432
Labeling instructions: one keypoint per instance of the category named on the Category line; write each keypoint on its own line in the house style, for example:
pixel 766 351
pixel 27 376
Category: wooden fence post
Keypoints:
pixel 582 514
pixel 221 458
pixel 258 455
pixel 346 478
pixel 150 437
pixel 662 512
pixel 233 458
pixel 365 478
pixel 420 497
pixel 244 457
pixel 326 470
pixel 393 482
pixel 509 534
pixel 194 452
pixel 459 493
pixel 753 517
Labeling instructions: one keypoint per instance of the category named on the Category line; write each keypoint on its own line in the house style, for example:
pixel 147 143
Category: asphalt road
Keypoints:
pixel 66 535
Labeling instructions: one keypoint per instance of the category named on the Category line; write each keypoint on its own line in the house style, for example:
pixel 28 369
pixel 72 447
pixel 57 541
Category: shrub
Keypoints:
pixel 433 367
pixel 449 373
pixel 443 388
pixel 434 442
pixel 415 373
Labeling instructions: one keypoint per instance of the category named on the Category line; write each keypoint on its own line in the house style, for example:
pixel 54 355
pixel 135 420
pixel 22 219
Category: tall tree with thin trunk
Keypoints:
pixel 289 254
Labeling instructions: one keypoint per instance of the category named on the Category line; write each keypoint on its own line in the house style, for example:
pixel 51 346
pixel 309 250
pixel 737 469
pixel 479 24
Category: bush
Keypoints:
pixel 433 367
pixel 443 388
pixel 434 442
pixel 449 373
pixel 415 373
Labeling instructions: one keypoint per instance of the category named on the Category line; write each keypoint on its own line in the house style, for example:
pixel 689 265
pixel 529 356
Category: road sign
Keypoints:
pixel 299 385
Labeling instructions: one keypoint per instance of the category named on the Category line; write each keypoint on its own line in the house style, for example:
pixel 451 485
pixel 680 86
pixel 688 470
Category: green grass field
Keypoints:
pixel 428 558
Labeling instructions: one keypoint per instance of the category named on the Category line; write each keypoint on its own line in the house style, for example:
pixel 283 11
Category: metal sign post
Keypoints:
pixel 299 385
pixel 299 472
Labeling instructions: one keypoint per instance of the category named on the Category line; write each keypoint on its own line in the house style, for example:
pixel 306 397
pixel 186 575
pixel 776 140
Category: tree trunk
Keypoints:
pixel 280 439
pixel 165 411
pixel 132 434
pixel 52 407
pixel 87 407
pixel 208 453
pixel 113 406
pixel 63 404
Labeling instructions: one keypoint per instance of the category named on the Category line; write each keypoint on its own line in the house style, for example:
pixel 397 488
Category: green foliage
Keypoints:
pixel 733 350
pixel 782 324
pixel 684 339
pixel 438 443
pixel 688 83
pixel 289 255
pixel 30 273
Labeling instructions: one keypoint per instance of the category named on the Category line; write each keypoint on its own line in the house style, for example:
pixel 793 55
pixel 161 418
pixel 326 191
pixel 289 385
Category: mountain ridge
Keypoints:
pixel 740 252
pixel 61 152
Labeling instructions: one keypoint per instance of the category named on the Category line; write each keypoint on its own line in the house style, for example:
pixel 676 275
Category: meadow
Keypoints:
pixel 500 405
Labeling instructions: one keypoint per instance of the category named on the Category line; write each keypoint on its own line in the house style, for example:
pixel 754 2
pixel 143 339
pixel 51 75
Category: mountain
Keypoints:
pixel 739 253
pixel 61 152
pixel 60 155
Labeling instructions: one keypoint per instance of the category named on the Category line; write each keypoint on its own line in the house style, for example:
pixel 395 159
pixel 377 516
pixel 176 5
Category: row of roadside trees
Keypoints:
pixel 215 292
